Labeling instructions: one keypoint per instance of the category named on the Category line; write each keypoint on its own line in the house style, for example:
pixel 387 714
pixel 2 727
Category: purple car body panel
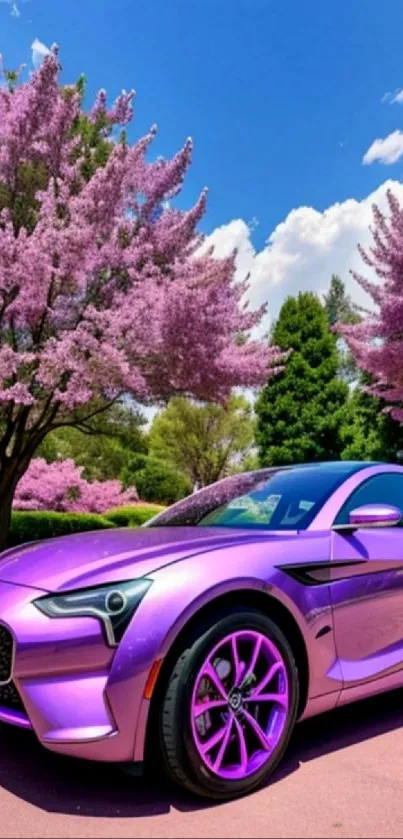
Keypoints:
pixel 343 590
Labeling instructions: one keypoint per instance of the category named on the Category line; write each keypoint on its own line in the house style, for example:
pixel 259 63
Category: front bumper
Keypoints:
pixel 68 682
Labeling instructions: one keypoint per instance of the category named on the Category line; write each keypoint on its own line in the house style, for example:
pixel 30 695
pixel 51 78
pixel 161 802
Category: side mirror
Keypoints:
pixel 372 515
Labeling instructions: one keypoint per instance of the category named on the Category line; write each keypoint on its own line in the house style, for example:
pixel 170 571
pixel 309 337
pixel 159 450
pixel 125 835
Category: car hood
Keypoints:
pixel 86 559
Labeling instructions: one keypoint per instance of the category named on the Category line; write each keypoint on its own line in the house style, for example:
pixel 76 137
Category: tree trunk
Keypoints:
pixel 6 501
pixel 10 476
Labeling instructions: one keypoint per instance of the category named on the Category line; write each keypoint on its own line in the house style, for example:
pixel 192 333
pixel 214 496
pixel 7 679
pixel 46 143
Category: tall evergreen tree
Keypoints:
pixel 299 415
pixel 338 304
pixel 340 309
pixel 368 432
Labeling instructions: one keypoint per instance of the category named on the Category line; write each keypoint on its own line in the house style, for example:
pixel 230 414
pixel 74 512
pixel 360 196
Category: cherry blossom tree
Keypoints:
pixel 103 293
pixel 376 341
pixel 60 486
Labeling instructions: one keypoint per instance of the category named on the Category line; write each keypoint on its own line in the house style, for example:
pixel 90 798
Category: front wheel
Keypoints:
pixel 230 706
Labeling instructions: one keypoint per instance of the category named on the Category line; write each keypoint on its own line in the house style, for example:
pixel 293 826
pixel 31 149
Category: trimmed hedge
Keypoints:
pixel 133 516
pixel 30 525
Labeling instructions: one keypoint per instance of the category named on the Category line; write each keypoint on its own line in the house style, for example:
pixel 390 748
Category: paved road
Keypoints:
pixel 343 778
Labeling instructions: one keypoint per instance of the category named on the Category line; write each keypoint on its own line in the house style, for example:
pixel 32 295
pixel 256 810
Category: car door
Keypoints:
pixel 367 593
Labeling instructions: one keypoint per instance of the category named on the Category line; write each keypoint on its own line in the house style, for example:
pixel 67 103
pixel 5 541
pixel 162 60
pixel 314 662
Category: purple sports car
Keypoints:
pixel 197 641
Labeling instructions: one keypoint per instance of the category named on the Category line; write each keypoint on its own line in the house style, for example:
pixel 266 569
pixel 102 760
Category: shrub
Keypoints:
pixel 161 484
pixel 31 525
pixel 155 480
pixel 136 462
pixel 133 516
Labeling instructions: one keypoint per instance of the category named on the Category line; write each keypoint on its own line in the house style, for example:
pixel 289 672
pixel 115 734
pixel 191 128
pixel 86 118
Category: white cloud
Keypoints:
pixel 39 52
pixel 302 253
pixel 14 9
pixel 395 98
pixel 389 150
pixel 233 236
pixel 304 250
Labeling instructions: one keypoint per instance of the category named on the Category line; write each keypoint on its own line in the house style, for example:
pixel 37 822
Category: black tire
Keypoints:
pixel 181 759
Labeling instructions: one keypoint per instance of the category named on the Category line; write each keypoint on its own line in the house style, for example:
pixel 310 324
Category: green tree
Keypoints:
pixel 204 441
pixel 247 464
pixel 155 480
pixel 368 433
pixel 338 304
pixel 300 413
pixel 105 449
pixel 340 309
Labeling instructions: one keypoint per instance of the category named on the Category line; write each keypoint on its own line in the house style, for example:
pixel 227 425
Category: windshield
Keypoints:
pixel 283 499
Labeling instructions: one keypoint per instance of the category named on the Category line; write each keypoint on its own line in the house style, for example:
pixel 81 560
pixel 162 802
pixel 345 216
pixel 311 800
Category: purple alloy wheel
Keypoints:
pixel 240 703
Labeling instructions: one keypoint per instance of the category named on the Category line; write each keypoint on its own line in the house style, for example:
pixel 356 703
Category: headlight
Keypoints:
pixel 113 604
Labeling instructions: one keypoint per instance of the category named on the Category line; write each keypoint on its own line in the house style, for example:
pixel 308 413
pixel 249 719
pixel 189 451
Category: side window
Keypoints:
pixel 381 489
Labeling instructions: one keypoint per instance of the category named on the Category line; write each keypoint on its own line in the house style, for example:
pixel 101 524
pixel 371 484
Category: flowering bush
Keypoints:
pixel 60 486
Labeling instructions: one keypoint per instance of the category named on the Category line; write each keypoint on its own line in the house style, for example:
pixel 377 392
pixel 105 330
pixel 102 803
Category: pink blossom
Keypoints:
pixel 60 486
pixel 102 294
pixel 120 114
pixel 75 285
pixel 377 341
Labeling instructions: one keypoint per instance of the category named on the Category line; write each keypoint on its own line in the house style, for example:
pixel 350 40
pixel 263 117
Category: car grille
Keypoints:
pixel 6 654
pixel 10 698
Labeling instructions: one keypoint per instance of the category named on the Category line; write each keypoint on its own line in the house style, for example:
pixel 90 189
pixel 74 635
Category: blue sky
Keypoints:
pixel 282 101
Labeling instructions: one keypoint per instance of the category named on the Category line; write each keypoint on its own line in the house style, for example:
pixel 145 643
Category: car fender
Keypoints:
pixel 179 592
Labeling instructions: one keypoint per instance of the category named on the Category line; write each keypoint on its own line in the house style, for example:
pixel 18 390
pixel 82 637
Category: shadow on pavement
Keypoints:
pixel 63 785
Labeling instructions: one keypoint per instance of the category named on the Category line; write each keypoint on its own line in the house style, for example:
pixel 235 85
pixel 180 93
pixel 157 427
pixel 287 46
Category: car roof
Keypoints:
pixel 343 467
pixel 360 471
